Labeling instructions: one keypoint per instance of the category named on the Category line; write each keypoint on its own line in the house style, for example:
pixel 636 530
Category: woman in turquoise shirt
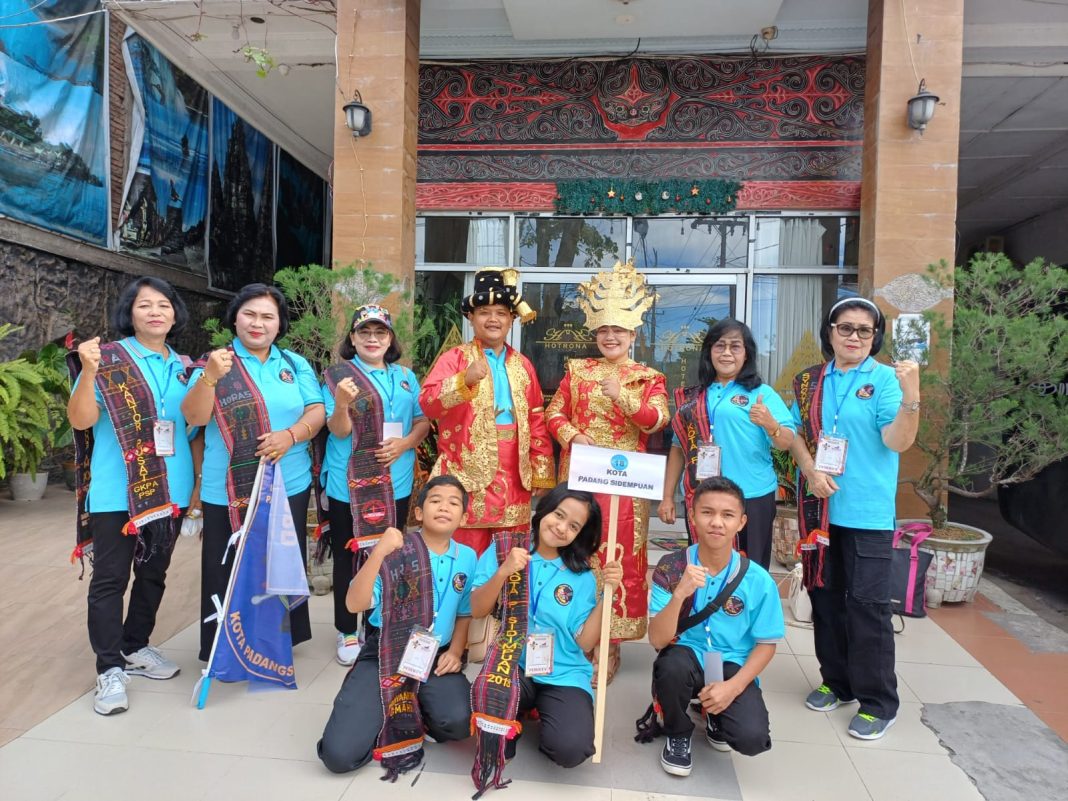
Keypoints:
pixel 258 401
pixel 370 392
pixel 564 603
pixel 140 480
pixel 727 425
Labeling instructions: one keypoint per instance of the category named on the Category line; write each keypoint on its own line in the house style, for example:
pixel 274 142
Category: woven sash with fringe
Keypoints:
pixel 370 484
pixel 407 601
pixel 132 409
pixel 812 519
pixel 241 414
pixel 495 693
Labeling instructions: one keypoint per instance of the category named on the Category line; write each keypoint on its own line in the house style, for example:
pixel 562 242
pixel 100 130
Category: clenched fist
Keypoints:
pixel 89 354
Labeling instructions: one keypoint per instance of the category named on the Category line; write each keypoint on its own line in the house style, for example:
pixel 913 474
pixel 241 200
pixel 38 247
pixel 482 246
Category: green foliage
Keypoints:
pixel 263 60
pixel 434 318
pixel 321 303
pixel 666 196
pixel 573 235
pixel 785 475
pixel 26 414
pixel 990 417
pixel 51 364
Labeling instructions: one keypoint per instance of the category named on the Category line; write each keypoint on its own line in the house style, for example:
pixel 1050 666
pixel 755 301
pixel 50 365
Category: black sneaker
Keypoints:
pixel 676 758
pixel 714 736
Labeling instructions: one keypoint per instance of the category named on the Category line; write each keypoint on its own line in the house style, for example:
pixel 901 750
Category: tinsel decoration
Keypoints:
pixel 664 196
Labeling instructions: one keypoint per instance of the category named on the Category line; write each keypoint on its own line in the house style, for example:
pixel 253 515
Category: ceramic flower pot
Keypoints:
pixel 958 562
pixel 27 486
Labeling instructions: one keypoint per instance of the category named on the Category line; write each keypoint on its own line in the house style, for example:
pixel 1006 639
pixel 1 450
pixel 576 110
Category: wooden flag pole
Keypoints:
pixel 604 644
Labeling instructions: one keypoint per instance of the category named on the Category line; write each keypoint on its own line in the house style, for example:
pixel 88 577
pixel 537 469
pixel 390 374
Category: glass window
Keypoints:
pixel 806 242
pixel 696 243
pixel 586 243
pixel 479 241
pixel 787 310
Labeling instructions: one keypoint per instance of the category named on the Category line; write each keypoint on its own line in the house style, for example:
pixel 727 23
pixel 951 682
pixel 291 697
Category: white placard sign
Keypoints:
pixel 612 472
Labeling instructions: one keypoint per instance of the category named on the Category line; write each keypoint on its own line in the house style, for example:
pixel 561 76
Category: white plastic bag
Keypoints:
pixel 193 524
pixel 797 596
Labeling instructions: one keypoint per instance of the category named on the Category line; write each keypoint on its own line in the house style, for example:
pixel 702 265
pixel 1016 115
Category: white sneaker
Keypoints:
pixel 348 648
pixel 111 692
pixel 150 663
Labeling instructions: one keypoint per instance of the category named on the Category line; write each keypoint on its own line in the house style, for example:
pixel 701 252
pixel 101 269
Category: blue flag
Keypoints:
pixel 253 641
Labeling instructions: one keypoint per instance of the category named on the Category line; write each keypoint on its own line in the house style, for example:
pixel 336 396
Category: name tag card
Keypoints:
pixel 419 655
pixel 163 436
pixel 539 661
pixel 831 455
pixel 392 431
pixel 709 459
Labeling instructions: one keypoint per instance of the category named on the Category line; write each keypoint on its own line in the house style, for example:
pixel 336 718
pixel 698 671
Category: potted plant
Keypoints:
pixel 785 536
pixel 983 425
pixel 28 417
pixel 51 364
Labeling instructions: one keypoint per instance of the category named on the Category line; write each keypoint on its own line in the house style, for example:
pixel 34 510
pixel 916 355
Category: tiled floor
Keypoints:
pixel 261 746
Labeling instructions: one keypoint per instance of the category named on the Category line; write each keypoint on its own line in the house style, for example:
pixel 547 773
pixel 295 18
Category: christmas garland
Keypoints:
pixel 664 196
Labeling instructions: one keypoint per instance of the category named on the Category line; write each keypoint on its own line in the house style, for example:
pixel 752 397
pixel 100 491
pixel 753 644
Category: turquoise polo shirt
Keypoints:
pixel 107 489
pixel 452 572
pixel 746 455
pixel 751 616
pixel 288 386
pixel 560 601
pixel 399 391
pixel 502 390
pixel 867 399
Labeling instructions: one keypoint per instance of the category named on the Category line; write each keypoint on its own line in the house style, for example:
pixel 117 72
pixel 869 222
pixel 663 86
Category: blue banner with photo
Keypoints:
pixel 299 219
pixel 165 198
pixel 53 132
pixel 241 245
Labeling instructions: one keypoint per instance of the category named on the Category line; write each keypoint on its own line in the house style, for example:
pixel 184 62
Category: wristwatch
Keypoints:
pixel 910 406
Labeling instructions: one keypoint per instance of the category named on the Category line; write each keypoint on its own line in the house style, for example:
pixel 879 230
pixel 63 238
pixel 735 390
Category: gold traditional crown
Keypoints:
pixel 619 297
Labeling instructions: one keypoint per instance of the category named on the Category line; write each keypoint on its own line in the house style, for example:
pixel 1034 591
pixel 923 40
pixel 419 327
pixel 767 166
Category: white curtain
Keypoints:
pixel 487 241
pixel 798 297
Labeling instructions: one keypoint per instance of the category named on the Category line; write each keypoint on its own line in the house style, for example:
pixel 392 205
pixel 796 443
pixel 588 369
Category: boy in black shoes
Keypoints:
pixel 715 618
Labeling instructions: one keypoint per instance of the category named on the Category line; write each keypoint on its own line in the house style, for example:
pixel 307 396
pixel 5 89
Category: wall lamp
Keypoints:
pixel 357 116
pixel 921 108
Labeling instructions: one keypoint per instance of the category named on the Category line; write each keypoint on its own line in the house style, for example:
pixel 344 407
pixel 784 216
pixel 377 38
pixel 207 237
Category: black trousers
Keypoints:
pixel 755 538
pixel 677 678
pixel 113 555
pixel 215 575
pixel 851 621
pixel 566 720
pixel 340 516
pixel 351 733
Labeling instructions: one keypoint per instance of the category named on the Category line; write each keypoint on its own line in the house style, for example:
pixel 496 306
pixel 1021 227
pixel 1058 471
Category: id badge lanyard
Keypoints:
pixel 539 648
pixel 712 411
pixel 709 594
pixel 839 400
pixel 162 390
pixel 439 596
pixel 535 597
pixel 388 389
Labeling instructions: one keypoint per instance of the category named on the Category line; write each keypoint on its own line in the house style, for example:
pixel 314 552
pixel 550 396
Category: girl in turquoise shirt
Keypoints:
pixel 564 603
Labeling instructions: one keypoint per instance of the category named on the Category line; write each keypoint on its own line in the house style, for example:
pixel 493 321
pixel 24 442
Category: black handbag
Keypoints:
pixel 908 571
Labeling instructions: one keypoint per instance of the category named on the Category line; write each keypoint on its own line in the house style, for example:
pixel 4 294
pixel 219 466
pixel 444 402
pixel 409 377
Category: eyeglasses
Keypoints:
pixel 733 347
pixel 372 333
pixel 848 329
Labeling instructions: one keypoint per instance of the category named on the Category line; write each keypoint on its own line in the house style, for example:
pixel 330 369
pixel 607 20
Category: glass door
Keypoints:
pixel 669 339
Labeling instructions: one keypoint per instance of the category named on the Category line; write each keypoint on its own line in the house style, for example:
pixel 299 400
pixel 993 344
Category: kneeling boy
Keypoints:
pixel 419 586
pixel 714 657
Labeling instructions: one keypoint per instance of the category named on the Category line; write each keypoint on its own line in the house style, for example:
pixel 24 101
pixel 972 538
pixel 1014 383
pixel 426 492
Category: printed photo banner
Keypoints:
pixel 53 128
pixel 241 239
pixel 299 224
pixel 165 197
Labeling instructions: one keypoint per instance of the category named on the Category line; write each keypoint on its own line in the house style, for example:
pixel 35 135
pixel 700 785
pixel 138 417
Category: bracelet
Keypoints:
pixel 211 382
pixel 910 407
pixel 775 433
pixel 302 423
pixel 292 435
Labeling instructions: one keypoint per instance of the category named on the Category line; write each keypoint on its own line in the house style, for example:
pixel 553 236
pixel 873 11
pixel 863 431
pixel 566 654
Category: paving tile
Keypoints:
pixel 908 734
pixel 688 791
pixel 939 684
pixel 897 776
pixel 811 666
pixel 786 773
pixel 784 675
pixel 800 641
pixel 7 735
pixel 792 721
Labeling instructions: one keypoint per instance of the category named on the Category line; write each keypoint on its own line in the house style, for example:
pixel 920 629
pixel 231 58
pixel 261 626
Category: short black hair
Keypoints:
pixel 718 484
pixel 748 377
pixel 251 292
pixel 346 350
pixel 576 556
pixel 832 315
pixel 440 481
pixel 122 312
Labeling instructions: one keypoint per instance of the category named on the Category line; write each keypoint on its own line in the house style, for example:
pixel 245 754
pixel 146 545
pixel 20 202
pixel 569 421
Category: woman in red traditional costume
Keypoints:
pixel 614 402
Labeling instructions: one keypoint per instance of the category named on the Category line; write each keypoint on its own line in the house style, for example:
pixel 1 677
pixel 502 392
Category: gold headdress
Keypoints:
pixel 498 285
pixel 619 297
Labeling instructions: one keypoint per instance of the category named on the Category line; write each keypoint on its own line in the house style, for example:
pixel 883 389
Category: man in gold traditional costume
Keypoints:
pixel 488 404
